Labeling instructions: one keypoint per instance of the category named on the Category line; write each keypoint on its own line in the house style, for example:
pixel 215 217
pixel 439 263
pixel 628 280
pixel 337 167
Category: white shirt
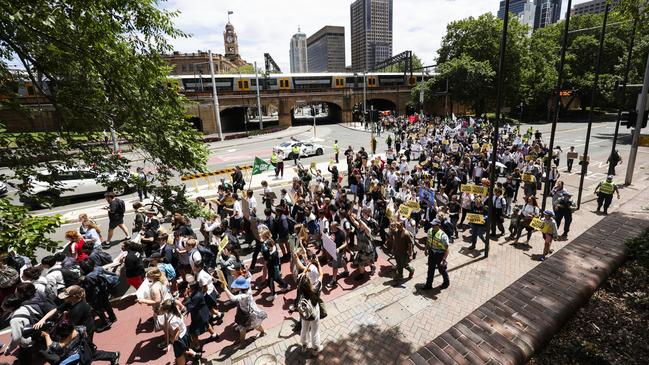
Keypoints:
pixel 174 323
pixel 238 211
pixel 194 257
pixel 205 279
pixel 252 205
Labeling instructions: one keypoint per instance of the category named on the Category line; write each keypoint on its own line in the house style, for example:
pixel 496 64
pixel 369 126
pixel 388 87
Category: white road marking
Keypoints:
pixel 232 150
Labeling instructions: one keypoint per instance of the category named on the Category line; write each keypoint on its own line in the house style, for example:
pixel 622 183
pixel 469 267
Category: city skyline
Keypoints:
pixel 418 25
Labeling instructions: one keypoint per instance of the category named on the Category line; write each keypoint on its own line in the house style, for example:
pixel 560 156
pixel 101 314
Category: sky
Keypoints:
pixel 266 26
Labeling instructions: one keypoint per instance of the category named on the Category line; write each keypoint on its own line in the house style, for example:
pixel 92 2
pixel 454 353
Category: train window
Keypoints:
pixel 30 90
pixel 240 84
pixel 245 84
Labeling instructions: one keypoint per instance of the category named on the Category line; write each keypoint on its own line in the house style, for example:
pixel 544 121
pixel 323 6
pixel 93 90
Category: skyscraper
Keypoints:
pixel 326 50
pixel 592 7
pixel 523 9
pixel 546 12
pixel 371 30
pixel 298 53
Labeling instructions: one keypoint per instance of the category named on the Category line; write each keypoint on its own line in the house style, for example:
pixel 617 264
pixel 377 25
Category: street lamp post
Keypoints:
pixel 557 104
pixel 499 103
pixel 598 63
pixel 215 98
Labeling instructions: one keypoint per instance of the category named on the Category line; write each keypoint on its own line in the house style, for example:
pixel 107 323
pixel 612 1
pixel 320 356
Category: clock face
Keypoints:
pixel 229 38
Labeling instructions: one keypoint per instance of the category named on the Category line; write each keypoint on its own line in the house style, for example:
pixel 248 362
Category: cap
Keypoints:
pixel 548 212
pixel 71 291
pixel 609 177
pixel 240 283
pixel 436 222
pixel 149 211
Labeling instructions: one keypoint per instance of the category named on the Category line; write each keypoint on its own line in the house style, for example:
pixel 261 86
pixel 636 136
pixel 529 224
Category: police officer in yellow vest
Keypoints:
pixel 336 150
pixel 604 191
pixel 278 162
pixel 295 151
pixel 437 251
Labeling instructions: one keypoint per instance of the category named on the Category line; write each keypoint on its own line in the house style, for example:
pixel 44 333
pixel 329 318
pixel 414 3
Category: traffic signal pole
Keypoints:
pixel 638 125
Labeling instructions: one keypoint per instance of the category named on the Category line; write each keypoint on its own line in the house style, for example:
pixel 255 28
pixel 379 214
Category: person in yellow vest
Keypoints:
pixel 549 232
pixel 437 252
pixel 336 150
pixel 277 160
pixel 604 191
pixel 295 151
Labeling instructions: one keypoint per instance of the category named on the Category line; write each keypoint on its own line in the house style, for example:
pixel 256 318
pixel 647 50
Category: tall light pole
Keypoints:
pixel 557 103
pixel 261 119
pixel 215 99
pixel 642 106
pixel 598 63
pixel 499 104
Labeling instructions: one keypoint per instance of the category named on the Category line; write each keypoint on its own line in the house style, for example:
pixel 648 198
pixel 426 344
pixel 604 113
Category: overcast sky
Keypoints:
pixel 267 25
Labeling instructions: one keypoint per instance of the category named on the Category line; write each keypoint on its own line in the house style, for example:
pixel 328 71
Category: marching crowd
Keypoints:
pixel 432 178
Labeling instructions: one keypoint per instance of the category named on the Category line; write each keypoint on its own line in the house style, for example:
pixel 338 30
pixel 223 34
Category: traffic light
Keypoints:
pixel 630 118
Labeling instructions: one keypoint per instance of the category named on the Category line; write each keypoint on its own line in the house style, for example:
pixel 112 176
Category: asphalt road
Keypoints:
pixel 244 152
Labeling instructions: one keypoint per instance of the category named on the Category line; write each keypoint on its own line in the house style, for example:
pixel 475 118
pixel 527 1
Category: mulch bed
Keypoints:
pixel 613 328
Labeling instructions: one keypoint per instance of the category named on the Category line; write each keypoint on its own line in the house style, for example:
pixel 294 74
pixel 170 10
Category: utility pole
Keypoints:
pixel 642 105
pixel 585 161
pixel 215 99
pixel 621 93
pixel 499 104
pixel 261 119
pixel 313 111
pixel 557 104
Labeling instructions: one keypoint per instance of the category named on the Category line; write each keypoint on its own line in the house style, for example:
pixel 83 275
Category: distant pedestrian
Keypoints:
pixel 116 209
pixel 549 232
pixel 604 191
pixel 569 159
pixel 336 150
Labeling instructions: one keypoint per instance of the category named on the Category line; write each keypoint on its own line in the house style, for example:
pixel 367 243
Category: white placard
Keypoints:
pixel 329 246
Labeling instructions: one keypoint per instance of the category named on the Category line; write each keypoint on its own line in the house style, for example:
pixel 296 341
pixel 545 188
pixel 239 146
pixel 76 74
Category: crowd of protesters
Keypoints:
pixel 432 178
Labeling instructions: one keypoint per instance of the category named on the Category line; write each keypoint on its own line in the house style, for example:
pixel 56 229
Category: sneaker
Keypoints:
pixel 444 286
pixel 105 245
pixel 128 238
pixel 115 360
pixel 270 298
pixel 422 286
pixel 344 274
pixel 411 274
pixel 542 258
pixel 103 328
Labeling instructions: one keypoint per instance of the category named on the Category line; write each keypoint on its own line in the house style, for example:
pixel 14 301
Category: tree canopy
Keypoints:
pixel 98 64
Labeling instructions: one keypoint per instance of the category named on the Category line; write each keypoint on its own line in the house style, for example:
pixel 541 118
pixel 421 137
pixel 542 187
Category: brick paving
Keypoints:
pixel 381 322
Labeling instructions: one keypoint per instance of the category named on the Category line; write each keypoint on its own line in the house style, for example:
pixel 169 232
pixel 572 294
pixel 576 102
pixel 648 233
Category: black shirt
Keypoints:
pixel 80 314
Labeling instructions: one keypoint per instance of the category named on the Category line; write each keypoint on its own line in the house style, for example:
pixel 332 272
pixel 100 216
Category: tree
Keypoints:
pixel 469 57
pixel 98 64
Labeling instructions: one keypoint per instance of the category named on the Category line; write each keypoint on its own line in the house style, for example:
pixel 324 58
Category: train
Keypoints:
pixel 242 83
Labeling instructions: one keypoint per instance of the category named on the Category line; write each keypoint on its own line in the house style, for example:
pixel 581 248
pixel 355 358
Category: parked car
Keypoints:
pixel 306 149
pixel 77 182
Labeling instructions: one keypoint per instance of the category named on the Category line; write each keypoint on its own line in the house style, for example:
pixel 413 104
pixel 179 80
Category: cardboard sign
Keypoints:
pixel 228 201
pixel 254 229
pixel 413 205
pixel 404 211
pixel 466 188
pixel 435 165
pixel 475 218
pixel 313 165
pixel 572 155
pixel 528 178
pixel 537 224
pixel 329 246
pixel 474 189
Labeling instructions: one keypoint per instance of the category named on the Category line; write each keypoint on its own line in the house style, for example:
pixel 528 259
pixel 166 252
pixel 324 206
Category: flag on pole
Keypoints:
pixel 260 166
pixel 230 12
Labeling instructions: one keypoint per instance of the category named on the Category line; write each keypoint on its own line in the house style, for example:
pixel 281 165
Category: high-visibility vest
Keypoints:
pixel 435 240
pixel 273 158
pixel 336 149
pixel 296 150
pixel 606 188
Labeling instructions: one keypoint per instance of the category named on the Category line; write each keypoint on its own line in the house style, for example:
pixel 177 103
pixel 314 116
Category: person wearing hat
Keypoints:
pixel 78 310
pixel 564 208
pixel 138 220
pixel 437 252
pixel 549 232
pixel 604 191
pixel 248 315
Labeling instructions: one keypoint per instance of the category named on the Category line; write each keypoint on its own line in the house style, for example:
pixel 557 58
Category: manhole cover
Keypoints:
pixel 266 359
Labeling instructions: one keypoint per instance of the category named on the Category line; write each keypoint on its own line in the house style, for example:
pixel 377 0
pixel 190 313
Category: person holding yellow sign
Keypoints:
pixel 477 218
pixel 549 232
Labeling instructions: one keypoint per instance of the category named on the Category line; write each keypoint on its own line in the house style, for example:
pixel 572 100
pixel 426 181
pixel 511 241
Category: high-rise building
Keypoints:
pixel 371 30
pixel 546 12
pixel 523 9
pixel 326 50
pixel 592 7
pixel 298 53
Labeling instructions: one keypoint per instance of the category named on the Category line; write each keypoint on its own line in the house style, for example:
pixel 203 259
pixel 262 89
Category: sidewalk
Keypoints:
pixel 381 322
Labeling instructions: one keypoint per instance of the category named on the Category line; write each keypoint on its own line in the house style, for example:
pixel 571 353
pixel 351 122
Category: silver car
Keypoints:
pixel 80 182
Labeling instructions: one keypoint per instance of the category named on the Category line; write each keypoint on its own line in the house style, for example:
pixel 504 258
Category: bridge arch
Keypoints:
pixel 381 104
pixel 327 112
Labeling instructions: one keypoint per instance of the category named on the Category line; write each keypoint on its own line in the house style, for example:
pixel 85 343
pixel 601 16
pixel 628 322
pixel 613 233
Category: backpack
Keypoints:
pixel 207 256
pixel 101 258
pixel 168 270
pixel 71 276
pixel 86 350
pixel 50 291
pixel 112 279
pixel 306 309
pixel 121 207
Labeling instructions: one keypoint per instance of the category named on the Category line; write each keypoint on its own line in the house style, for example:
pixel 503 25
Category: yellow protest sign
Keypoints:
pixel 475 218
pixel 223 243
pixel 476 146
pixel 528 178
pixel 529 158
pixel 228 201
pixel 446 141
pixel 313 165
pixel 466 188
pixel 486 147
pixel 332 162
pixel 537 224
pixel 480 190
pixel 404 211
pixel 413 205
pixel 435 165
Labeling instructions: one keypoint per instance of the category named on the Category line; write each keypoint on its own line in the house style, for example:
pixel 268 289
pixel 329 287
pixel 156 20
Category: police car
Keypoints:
pixel 306 149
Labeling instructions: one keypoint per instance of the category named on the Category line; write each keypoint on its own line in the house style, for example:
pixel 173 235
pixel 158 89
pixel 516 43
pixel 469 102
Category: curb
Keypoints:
pixel 269 137
pixel 354 129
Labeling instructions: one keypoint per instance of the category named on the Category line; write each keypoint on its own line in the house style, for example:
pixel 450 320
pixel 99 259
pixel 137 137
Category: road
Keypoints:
pixel 244 152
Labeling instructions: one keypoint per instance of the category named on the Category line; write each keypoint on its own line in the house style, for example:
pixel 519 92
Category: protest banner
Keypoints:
pixel 476 146
pixel 480 190
pixel 572 155
pixel 527 177
pixel 413 205
pixel 446 141
pixel 537 224
pixel 475 218
pixel 404 211
pixel 329 246
pixel 466 188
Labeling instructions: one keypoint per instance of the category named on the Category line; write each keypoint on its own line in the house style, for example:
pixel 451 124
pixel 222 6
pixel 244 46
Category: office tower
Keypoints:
pixel 298 53
pixel 371 31
pixel 326 50
pixel 592 7
pixel 546 12
pixel 523 9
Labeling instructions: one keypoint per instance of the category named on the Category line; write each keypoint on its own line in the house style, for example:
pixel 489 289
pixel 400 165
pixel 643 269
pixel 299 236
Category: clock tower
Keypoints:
pixel 230 41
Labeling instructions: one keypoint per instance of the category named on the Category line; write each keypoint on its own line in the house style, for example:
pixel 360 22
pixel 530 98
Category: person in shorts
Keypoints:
pixel 340 239
pixel 116 210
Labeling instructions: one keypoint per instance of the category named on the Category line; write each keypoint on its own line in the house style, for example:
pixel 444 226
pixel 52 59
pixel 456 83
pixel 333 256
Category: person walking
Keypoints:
pixel 604 191
pixel 309 309
pixel 116 209
pixel 564 208
pixel 248 315
pixel 613 160
pixel 402 249
pixel 549 232
pixel 295 151
pixel 499 205
pixel 569 159
pixel 437 252
pixel 177 337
